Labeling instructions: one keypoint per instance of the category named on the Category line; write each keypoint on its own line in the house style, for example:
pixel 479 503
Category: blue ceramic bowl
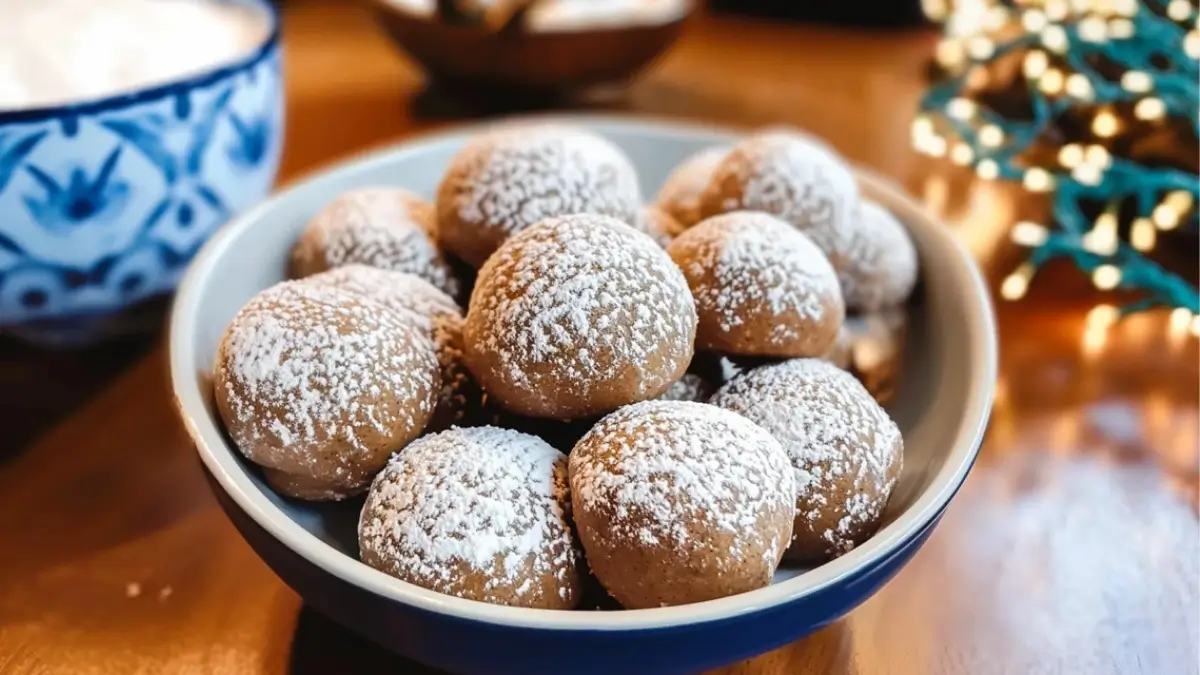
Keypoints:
pixel 941 403
pixel 104 202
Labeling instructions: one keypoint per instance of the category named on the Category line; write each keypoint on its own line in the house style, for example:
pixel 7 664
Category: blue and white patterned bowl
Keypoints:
pixel 104 202
pixel 941 404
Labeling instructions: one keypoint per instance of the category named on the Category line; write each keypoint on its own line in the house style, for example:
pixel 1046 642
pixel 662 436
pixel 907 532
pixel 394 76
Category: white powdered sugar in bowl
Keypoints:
pixel 54 52
pixel 572 15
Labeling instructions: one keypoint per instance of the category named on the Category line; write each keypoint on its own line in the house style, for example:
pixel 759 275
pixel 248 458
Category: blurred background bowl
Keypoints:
pixel 475 59
pixel 103 202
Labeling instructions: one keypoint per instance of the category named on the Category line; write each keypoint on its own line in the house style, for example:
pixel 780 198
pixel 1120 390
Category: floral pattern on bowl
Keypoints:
pixel 103 204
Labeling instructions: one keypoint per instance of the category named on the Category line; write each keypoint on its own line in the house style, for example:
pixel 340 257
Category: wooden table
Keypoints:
pixel 1073 547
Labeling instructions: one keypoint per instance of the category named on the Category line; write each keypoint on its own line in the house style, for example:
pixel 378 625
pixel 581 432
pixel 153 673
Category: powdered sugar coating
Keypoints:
pixel 680 193
pixel 389 228
pixel 697 487
pixel 800 181
pixel 577 316
pixel 437 315
pixel 846 452
pixel 480 513
pixel 761 286
pixel 879 266
pixel 518 174
pixel 314 381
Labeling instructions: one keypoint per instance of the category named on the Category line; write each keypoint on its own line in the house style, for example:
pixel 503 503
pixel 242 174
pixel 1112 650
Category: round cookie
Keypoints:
pixel 577 316
pixel 657 224
pixel 518 174
pixel 678 502
pixel 846 452
pixel 679 195
pixel 879 267
pixel 761 287
pixel 690 387
pixel 319 386
pixel 390 228
pixel 480 513
pixel 461 401
pixel 800 181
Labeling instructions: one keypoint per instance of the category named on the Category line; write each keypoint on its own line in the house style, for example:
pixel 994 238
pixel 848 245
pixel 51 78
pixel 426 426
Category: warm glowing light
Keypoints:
pixel 1054 37
pixel 935 146
pixel 950 54
pixel 1057 10
pixel 1052 81
pixel 961 154
pixel 1105 124
pixel 1179 10
pixel 996 18
pixel 1038 179
pixel 1092 29
pixel 1035 64
pixel 1097 155
pixel 1180 200
pixel 1151 108
pixel 991 136
pixel 1080 87
pixel 1106 277
pixel 1194 327
pixel 1102 316
pixel 1088 174
pixel 936 10
pixel 1137 81
pixel 980 48
pixel 1165 217
pixel 1125 7
pixel 1120 29
pixel 1070 155
pixel 1191 44
pixel 961 108
pixel 1029 234
pixel 1014 285
pixel 1034 20
pixel 978 77
pixel 1142 234
pixel 1102 239
pixel 1180 319
pixel 987 169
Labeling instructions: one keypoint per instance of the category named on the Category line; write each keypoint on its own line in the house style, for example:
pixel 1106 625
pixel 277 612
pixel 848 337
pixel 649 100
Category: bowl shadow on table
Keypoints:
pixel 321 646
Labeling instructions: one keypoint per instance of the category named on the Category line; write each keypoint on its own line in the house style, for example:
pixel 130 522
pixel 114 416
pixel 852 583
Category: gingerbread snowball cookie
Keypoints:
pixel 577 316
pixel 762 288
pixel 390 228
pixel 518 174
pixel 460 401
pixel 879 266
pixel 319 386
pixel 678 502
pixel 798 180
pixel 480 513
pixel 845 450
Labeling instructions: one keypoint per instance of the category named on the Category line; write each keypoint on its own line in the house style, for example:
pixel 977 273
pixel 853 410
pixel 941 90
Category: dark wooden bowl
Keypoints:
pixel 518 61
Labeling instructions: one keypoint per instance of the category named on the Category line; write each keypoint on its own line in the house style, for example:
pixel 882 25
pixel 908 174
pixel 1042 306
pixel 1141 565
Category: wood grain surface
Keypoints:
pixel 1073 547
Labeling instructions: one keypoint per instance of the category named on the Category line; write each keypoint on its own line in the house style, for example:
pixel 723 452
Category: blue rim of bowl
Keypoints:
pixel 211 445
pixel 153 93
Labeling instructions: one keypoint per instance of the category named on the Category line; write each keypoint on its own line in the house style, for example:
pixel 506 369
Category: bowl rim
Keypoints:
pixel 219 457
pixel 91 106
pixel 391 8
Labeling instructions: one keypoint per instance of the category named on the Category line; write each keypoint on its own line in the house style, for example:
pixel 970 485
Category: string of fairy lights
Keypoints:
pixel 1112 69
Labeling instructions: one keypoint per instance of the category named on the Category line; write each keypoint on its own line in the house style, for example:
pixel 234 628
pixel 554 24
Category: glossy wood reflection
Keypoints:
pixel 1073 547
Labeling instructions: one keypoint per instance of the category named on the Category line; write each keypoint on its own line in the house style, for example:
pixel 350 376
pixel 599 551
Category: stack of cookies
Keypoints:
pixel 540 382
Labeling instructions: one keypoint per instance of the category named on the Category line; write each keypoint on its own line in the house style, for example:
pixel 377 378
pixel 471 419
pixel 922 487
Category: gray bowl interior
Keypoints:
pixel 931 403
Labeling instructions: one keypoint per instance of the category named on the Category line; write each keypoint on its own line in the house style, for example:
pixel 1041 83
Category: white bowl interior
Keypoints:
pixel 941 403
